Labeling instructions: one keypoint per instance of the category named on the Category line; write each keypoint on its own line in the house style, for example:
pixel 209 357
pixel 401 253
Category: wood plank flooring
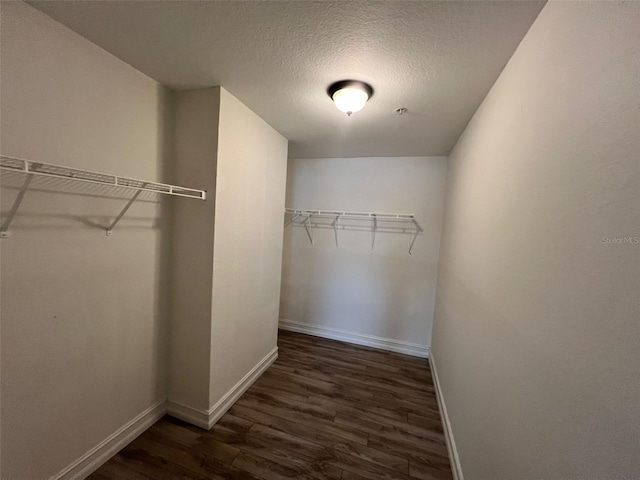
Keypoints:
pixel 323 410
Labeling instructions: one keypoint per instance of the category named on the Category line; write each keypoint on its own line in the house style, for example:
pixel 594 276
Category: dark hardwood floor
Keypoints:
pixel 324 409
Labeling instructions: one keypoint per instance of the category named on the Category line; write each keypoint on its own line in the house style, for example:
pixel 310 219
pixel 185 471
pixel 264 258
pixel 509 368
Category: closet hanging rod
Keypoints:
pixel 30 167
pixel 338 213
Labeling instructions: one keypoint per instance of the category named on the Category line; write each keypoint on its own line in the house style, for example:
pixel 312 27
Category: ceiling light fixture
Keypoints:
pixel 350 95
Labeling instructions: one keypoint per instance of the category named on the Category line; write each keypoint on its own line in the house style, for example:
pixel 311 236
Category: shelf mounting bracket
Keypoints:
pixel 4 229
pixel 375 227
pixel 335 228
pixel 292 220
pixel 415 236
pixel 124 210
pixel 306 227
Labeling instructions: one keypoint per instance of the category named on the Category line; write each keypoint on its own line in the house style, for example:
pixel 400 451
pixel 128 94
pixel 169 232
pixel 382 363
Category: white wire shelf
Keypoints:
pixel 31 168
pixel 305 218
pixel 338 213
pixel 58 171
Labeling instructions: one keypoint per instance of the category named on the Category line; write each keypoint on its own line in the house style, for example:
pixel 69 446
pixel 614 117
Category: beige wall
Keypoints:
pixel 252 172
pixel 384 292
pixel 83 331
pixel 537 316
pixel 226 279
pixel 196 147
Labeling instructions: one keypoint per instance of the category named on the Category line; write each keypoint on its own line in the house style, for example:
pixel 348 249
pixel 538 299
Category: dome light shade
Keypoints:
pixel 350 96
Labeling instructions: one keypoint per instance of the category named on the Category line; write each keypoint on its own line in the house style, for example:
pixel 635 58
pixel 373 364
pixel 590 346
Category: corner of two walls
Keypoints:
pixel 227 254
pixel 536 325
pixel 85 316
pixel 250 197
pixel 196 155
pixel 381 296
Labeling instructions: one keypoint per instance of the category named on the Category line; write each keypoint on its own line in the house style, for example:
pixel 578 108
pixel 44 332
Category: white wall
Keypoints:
pixel 196 148
pixel 227 252
pixel 537 316
pixel 247 263
pixel 83 331
pixel 382 292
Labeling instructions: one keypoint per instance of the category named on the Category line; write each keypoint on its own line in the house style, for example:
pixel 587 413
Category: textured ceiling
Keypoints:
pixel 437 59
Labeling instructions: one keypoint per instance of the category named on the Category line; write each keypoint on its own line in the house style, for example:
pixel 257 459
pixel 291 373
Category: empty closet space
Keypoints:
pixel 319 240
pixel 325 409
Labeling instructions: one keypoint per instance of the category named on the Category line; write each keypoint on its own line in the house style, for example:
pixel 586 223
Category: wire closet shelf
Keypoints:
pixel 406 222
pixel 31 168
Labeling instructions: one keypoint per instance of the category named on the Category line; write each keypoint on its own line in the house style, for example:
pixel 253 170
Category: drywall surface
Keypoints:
pixel 536 328
pixel 83 333
pixel 381 291
pixel 196 147
pixel 247 255
pixel 227 252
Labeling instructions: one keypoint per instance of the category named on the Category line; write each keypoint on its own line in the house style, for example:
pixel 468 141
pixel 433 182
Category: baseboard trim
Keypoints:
pixel 101 453
pixel 192 415
pixel 456 468
pixel 207 418
pixel 389 344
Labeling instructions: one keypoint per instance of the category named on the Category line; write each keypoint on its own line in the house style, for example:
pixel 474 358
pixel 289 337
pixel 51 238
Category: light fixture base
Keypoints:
pixel 350 96
pixel 334 87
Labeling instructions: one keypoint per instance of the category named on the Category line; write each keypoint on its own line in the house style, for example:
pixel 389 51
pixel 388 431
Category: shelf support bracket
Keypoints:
pixel 335 228
pixel 4 229
pixel 292 219
pixel 415 236
pixel 375 227
pixel 124 210
pixel 306 227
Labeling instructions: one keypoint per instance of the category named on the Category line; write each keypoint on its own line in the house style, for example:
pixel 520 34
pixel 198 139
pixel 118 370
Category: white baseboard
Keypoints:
pixel 389 344
pixel 115 442
pixel 101 453
pixel 456 468
pixel 207 418
pixel 192 415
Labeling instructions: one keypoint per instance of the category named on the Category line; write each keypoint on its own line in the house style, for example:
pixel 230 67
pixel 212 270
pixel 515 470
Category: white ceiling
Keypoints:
pixel 437 59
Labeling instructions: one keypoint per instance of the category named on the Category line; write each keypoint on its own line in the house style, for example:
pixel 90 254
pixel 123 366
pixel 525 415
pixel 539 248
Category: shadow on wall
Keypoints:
pixel 356 302
pixel 39 204
pixel 48 202
pixel 353 287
